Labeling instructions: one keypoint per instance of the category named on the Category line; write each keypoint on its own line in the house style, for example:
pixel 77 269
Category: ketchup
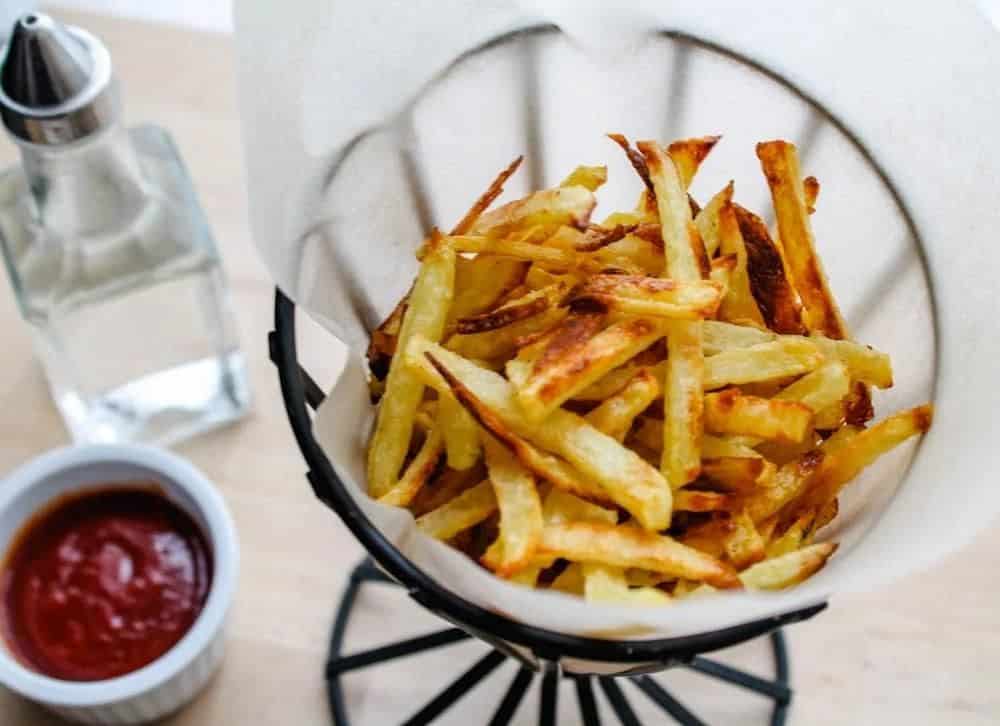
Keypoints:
pixel 102 583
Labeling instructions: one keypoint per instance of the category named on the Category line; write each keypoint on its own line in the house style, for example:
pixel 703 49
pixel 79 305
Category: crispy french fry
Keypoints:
pixel 519 505
pixel 738 475
pixel 517 249
pixel 588 177
pixel 688 500
pixel 560 506
pixel 715 447
pixel 614 416
pixel 626 478
pixel 538 277
pixel 772 292
pixel 738 303
pixel 494 190
pixel 425 317
pixel 822 388
pixel 778 359
pixel 459 514
pixel 382 346
pixel 811 186
pixel 824 517
pixel 686 260
pixel 720 337
pixel 841 465
pixel 528 305
pixel 569 366
pixel 500 343
pixel 447 485
pixel 721 272
pixel 481 282
pixel 622 546
pixel 611 383
pixel 636 160
pixel 569 580
pixel 570 205
pixel 730 412
pixel 417 473
pixel 787 570
pixel 789 483
pixel 744 545
pixel 780 163
pixel 606 584
pixel 653 296
pixel 793 537
pixel 687 155
pixel 863 362
pixel 461 434
pixel 638 249
pixel 708 222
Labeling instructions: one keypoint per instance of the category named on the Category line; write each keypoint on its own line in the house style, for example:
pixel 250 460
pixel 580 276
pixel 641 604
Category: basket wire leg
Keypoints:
pixel 618 702
pixel 508 706
pixel 661 696
pixel 588 706
pixel 441 702
pixel 550 695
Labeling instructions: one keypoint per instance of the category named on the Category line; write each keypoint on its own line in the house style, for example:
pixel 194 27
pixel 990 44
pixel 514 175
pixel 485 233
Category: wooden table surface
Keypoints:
pixel 926 651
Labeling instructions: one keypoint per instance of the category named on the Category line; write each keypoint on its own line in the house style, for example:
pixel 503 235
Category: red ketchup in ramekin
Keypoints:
pixel 102 583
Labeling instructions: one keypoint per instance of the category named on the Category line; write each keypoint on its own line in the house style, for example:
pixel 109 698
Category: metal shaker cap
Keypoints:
pixel 56 84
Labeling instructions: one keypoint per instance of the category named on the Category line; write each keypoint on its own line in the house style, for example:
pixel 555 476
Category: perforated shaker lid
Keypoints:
pixel 56 84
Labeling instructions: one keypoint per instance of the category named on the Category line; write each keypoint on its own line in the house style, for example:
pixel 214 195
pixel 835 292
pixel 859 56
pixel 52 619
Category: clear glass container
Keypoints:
pixel 116 271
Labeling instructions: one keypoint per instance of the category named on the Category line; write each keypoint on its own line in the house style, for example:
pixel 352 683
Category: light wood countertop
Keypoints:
pixel 926 651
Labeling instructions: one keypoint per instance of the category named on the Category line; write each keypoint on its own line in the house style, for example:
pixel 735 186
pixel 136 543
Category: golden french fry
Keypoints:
pixel 743 544
pixel 417 473
pixel 793 537
pixel 775 297
pixel 606 584
pixel 461 433
pixel 613 382
pixel 824 517
pixel 639 249
pixel 841 465
pixel 569 580
pixel 538 277
pixel 788 483
pixel 494 190
pixel 459 514
pixel 738 475
pixel 822 388
pixel 570 205
pixel 528 305
pixel 787 570
pixel 653 296
pixel 626 478
pixel 622 546
pixel 588 177
pixel 382 345
pixel 720 337
pixel 687 155
pixel 730 412
pixel 720 231
pixel 500 343
pixel 686 260
pixel 863 362
pixel 560 506
pixel 444 487
pixel 780 162
pixel 425 317
pixel 688 500
pixel 721 272
pixel 614 416
pixel 782 358
pixel 565 368
pixel 520 507
pixel 481 282
pixel 716 447
pixel 517 249
pixel 811 186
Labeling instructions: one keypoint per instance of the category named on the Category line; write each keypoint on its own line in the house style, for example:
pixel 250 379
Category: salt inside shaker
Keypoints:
pixel 110 255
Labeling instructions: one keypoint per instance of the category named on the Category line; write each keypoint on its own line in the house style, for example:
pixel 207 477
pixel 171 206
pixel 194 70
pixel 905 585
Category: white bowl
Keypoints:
pixel 174 678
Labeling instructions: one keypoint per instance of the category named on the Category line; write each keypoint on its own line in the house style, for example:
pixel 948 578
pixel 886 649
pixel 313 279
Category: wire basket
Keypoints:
pixel 693 64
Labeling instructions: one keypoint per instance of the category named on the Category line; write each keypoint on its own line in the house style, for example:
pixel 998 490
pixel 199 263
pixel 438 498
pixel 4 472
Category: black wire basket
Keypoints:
pixel 538 651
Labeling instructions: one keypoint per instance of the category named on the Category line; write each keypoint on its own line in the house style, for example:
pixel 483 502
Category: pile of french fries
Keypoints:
pixel 655 406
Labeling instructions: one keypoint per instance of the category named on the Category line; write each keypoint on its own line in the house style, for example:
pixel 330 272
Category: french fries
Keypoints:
pixel 519 381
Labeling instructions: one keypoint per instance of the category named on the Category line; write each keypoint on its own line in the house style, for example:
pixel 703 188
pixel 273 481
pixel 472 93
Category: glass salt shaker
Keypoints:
pixel 109 253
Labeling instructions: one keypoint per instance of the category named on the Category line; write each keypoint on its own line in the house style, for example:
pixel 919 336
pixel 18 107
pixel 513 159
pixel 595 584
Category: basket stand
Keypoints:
pixel 538 651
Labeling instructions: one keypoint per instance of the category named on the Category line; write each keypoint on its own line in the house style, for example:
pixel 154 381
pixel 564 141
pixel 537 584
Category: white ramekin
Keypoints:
pixel 177 676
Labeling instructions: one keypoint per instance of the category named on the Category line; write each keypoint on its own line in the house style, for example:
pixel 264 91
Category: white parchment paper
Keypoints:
pixel 332 164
